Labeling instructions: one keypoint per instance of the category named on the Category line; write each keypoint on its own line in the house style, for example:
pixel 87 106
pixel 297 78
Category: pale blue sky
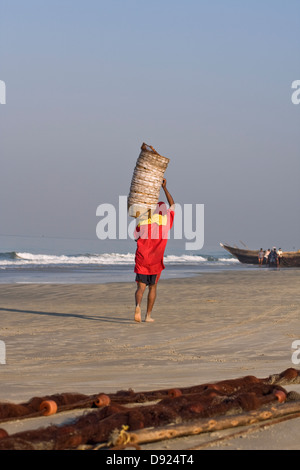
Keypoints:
pixel 207 83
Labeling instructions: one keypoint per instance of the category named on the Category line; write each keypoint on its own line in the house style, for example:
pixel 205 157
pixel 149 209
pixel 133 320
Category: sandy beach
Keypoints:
pixel 82 338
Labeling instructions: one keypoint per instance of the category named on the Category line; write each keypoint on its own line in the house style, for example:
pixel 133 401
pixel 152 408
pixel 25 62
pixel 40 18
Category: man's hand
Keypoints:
pixel 168 195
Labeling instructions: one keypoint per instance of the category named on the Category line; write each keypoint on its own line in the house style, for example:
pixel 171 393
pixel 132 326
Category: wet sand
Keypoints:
pixel 83 338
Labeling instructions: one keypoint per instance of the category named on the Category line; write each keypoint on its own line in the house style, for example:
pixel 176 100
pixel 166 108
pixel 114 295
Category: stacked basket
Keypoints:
pixel 146 181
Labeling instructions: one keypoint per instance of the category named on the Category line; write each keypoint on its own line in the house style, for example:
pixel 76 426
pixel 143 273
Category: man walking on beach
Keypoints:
pixel 151 235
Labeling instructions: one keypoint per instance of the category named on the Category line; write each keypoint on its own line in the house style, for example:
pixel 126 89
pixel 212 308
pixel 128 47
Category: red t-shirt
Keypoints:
pixel 152 238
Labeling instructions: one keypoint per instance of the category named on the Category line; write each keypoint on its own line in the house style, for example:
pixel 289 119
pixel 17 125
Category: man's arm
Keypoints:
pixel 168 195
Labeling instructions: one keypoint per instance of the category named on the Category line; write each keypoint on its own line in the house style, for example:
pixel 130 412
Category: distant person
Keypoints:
pixel 151 235
pixel 261 254
pixel 273 258
pixel 279 256
pixel 266 256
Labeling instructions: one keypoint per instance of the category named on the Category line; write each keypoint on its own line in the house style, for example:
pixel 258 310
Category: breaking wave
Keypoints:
pixel 23 259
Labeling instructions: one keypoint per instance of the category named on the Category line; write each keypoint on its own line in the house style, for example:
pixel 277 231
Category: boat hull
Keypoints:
pixel 289 259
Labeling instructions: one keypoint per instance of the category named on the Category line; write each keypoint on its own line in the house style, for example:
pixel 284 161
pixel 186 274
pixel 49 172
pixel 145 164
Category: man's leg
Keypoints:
pixel 150 302
pixel 138 300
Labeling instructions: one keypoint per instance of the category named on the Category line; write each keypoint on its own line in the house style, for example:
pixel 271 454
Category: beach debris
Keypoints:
pixel 129 419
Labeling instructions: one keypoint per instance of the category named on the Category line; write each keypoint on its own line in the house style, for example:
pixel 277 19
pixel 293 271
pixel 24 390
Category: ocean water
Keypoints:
pixel 59 260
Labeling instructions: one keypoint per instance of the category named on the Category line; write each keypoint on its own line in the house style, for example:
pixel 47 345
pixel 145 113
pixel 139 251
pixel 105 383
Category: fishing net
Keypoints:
pixel 114 414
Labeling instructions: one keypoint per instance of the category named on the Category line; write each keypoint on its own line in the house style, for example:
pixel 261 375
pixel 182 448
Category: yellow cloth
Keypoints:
pixel 155 219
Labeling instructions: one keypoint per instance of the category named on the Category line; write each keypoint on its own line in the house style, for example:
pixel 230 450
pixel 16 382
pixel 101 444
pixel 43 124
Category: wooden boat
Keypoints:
pixel 289 259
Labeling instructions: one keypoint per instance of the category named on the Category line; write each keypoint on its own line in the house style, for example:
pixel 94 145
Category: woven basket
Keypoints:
pixel 146 181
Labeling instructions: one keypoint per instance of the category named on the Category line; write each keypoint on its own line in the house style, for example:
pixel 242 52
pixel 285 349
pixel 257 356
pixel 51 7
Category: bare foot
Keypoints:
pixel 148 318
pixel 137 314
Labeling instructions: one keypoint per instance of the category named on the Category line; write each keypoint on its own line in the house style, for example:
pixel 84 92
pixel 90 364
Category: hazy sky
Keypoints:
pixel 206 82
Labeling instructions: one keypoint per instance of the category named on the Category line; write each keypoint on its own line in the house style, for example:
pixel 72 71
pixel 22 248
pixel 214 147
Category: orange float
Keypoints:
pixel 48 407
pixel 280 395
pixel 174 392
pixel 102 400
